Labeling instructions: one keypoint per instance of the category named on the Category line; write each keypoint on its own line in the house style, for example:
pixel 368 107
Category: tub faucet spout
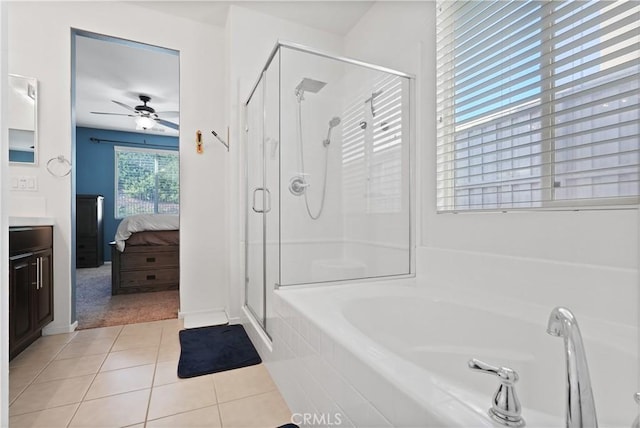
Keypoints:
pixel 581 409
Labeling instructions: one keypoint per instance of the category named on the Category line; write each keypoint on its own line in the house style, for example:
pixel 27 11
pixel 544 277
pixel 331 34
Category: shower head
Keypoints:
pixel 308 85
pixel 335 121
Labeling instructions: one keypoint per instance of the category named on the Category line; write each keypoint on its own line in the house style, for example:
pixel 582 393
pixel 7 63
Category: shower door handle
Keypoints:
pixel 267 200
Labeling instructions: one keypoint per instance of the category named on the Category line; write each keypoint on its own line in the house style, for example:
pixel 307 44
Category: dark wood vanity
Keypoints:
pixel 30 284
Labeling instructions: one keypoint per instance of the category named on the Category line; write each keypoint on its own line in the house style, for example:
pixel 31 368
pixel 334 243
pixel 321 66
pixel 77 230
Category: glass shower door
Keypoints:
pixel 254 287
pixel 263 178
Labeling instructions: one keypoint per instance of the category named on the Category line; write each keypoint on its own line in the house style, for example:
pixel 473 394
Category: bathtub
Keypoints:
pixel 393 353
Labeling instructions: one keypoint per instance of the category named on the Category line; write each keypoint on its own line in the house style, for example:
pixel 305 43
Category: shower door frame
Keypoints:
pixel 411 78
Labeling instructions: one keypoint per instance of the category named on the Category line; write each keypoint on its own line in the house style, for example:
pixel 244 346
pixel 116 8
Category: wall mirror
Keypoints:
pixel 23 120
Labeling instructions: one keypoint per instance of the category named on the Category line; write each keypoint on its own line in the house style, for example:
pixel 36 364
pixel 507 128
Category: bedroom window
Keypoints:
pixel 537 104
pixel 147 182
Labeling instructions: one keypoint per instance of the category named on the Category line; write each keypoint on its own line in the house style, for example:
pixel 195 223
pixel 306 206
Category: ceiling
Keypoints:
pixel 110 70
pixel 335 16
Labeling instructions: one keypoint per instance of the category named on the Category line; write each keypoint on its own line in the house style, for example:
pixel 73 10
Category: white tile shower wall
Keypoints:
pixel 318 376
pixel 543 282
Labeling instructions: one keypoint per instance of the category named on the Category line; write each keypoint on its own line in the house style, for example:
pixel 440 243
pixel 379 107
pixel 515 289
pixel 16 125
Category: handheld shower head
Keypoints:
pixel 335 121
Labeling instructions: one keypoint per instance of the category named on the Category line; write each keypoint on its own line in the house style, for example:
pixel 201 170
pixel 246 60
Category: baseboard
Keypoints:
pixel 59 329
pixel 197 319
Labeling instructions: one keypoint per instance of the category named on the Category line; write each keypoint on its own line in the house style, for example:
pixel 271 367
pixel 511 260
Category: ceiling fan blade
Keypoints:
pixel 168 113
pixel 113 114
pixel 125 106
pixel 168 124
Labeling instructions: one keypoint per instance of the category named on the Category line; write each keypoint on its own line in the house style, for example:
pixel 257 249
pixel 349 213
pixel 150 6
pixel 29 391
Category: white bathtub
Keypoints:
pixel 403 350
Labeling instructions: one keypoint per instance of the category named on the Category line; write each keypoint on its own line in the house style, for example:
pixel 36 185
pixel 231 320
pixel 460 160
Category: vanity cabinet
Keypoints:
pixel 30 285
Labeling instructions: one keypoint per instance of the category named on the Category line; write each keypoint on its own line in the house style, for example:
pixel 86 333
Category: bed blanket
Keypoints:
pixel 144 222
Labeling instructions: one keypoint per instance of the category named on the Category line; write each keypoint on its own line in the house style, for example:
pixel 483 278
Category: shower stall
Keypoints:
pixel 329 174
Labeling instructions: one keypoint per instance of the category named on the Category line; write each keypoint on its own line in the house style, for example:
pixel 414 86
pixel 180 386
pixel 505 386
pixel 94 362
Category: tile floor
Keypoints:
pixel 126 376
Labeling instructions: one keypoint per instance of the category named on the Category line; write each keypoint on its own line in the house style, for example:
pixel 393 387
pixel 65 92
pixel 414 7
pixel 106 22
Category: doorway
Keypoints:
pixel 125 132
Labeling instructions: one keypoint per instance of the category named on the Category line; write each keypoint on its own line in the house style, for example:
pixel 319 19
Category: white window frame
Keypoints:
pixel 446 193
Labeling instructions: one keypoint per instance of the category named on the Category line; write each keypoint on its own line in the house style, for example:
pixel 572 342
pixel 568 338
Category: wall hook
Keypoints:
pixel 220 139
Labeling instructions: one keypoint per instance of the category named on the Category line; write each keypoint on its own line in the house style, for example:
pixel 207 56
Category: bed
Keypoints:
pixel 145 255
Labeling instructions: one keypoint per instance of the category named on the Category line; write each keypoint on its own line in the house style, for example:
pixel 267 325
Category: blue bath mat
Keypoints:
pixel 215 349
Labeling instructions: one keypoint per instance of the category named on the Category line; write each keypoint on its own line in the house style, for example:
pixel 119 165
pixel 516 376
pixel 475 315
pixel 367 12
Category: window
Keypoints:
pixel 147 182
pixel 537 104
pixel 372 154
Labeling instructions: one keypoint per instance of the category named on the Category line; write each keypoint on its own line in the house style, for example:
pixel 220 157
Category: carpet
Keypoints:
pixel 215 349
pixel 96 307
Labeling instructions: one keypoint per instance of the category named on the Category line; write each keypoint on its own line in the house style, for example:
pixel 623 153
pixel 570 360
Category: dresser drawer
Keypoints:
pixel 84 244
pixel 87 258
pixel 150 278
pixel 134 261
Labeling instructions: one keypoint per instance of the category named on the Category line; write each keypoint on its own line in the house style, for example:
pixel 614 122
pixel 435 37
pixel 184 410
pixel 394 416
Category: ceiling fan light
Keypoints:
pixel 143 122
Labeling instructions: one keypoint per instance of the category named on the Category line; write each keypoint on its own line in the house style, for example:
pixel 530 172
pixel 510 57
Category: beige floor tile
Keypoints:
pixel 51 394
pixel 54 339
pixel 114 411
pixel 169 352
pixel 170 337
pixel 166 373
pixel 26 373
pixel 140 340
pixel 119 381
pixel 207 417
pixel 167 400
pixel 58 417
pixel 84 348
pixel 142 328
pixel 244 382
pixel 36 356
pixel 130 358
pixel 71 367
pixel 98 333
pixel 16 388
pixel 259 411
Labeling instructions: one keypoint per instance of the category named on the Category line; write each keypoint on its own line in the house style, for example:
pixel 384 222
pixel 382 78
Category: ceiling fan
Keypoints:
pixel 146 116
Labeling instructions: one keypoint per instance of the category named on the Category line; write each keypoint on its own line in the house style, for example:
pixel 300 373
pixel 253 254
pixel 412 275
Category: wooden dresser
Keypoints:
pixel 145 268
pixel 89 231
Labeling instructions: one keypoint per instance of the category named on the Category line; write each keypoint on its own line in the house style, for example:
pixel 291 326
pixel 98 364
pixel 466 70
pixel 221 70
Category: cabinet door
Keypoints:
pixel 20 286
pixel 43 305
pixel 86 217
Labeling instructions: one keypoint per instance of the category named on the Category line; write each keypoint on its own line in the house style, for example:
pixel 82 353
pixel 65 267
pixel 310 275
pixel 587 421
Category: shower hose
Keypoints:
pixel 326 163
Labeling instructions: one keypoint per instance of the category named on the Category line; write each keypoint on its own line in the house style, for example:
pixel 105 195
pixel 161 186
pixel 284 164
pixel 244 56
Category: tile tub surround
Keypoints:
pixel 325 365
pixel 126 375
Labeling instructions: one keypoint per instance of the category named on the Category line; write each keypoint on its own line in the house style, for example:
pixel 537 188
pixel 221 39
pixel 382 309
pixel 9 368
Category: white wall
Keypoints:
pixel 42 50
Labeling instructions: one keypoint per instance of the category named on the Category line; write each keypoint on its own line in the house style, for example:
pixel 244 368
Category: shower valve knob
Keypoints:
pixel 297 185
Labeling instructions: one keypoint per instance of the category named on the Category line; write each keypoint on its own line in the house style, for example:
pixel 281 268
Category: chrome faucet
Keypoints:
pixel 581 409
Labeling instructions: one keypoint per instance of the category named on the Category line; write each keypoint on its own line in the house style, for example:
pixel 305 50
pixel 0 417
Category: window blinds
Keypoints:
pixel 372 133
pixel 537 103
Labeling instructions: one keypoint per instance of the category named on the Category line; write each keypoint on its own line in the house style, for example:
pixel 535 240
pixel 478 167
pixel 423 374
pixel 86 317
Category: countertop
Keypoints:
pixel 31 221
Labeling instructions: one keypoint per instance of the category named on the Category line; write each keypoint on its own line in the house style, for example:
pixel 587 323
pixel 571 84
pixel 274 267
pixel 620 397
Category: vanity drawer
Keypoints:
pixel 25 239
